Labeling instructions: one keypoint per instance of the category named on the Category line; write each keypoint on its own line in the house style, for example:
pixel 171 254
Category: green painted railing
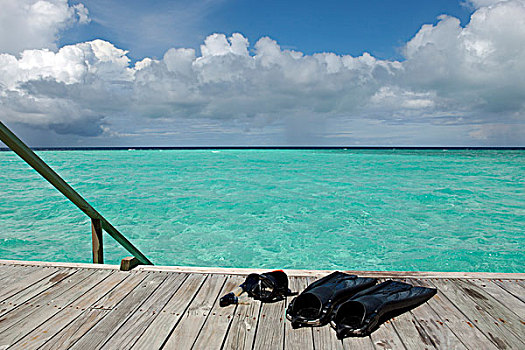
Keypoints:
pixel 98 222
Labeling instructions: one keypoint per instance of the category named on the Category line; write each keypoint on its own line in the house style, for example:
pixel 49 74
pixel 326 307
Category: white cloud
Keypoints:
pixel 36 24
pixel 484 3
pixel 452 75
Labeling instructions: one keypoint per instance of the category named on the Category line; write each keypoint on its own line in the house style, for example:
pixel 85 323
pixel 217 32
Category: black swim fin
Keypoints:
pixel 314 305
pixel 364 312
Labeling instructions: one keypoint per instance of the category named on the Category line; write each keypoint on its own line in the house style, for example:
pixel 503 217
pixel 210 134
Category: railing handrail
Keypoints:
pixel 20 148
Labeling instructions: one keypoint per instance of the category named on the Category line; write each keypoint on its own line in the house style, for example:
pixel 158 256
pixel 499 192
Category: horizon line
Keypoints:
pixel 142 148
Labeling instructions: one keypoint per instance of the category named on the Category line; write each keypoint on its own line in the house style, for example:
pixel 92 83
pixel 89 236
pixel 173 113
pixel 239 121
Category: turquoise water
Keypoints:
pixel 456 210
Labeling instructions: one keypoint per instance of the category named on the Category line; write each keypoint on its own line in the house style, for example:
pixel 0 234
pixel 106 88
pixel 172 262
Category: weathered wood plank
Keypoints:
pixel 33 290
pixel 301 338
pixel 20 311
pixel 186 331
pixel 364 343
pixel 55 324
pixel 494 330
pixel 214 330
pixel 448 314
pixel 12 286
pixel 502 296
pixel 411 332
pixel 73 331
pixel 386 337
pixel 161 327
pixel 493 307
pixel 270 328
pixel 320 273
pixel 68 265
pixel 439 332
pixel 243 326
pixel 34 316
pixel 325 338
pixel 289 272
pixel 107 326
pixel 112 299
pixel 129 332
pixel 513 287
pixel 4 268
pixel 14 272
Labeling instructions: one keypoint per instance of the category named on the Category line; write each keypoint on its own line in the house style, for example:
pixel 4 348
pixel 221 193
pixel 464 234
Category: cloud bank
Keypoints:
pixel 470 79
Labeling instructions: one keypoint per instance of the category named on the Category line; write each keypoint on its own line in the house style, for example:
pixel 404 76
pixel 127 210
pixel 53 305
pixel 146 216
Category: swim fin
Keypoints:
pixel 314 305
pixel 364 312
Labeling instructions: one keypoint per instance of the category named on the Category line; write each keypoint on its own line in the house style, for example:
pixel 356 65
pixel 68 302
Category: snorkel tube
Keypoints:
pixel 267 287
pixel 233 297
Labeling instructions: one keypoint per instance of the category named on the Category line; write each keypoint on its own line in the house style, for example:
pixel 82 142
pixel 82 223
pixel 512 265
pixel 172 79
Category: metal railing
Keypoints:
pixel 98 222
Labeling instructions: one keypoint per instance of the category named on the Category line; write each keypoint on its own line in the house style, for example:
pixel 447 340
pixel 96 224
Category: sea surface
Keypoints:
pixel 434 210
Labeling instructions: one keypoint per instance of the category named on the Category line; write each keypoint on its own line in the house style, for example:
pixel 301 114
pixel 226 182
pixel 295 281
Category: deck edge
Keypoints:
pixel 290 272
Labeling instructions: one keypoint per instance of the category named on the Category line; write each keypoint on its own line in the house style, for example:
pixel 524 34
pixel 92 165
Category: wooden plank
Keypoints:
pixel 411 332
pixel 270 327
pixel 214 330
pixel 129 332
pixel 502 296
pixel 112 299
pixel 97 242
pixel 33 290
pixel 325 338
pixel 107 326
pixel 513 287
pixel 364 343
pixel 5 268
pixel 70 334
pixel 15 272
pixel 15 314
pixel 60 264
pixel 320 273
pixel 161 327
pixel 448 314
pixel 301 338
pixel 492 306
pixel 386 337
pixel 441 335
pixel 187 330
pixel 34 316
pixel 75 330
pixel 20 283
pixel 496 331
pixel 289 272
pixel 243 326
pixel 55 324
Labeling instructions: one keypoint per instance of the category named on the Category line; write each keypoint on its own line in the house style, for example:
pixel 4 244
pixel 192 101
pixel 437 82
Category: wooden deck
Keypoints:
pixel 81 306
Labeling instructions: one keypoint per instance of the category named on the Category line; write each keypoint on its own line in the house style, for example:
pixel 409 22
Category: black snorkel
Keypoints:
pixel 267 287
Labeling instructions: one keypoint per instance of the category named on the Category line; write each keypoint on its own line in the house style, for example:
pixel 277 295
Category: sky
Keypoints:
pixel 239 72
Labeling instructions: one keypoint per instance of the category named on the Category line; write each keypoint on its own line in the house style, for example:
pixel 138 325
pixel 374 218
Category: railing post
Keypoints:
pixel 96 236
pixel 20 148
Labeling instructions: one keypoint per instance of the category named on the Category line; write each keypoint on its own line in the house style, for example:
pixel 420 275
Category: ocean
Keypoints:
pixel 359 209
